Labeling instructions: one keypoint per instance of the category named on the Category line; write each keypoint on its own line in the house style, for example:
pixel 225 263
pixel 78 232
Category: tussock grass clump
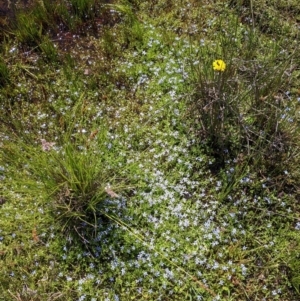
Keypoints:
pixel 241 108
pixel 74 173
pixel 29 30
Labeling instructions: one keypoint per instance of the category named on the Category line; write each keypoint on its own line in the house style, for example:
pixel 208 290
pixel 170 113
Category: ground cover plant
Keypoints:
pixel 150 151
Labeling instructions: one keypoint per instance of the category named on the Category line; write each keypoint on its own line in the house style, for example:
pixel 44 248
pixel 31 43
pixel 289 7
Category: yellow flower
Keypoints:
pixel 219 65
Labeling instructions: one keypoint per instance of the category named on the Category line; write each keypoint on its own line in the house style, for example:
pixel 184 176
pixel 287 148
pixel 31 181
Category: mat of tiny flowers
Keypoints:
pixel 184 232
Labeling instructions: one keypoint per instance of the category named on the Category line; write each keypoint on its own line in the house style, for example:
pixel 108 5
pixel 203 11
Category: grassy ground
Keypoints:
pixel 133 168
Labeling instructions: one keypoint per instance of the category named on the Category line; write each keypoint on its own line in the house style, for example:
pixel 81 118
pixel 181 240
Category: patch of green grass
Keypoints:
pixel 132 170
pixel 28 30
pixel 83 8
pixel 48 48
pixel 4 74
pixel 73 172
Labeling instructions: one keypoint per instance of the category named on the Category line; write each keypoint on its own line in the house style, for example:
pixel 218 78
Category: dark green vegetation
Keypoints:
pixel 131 169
